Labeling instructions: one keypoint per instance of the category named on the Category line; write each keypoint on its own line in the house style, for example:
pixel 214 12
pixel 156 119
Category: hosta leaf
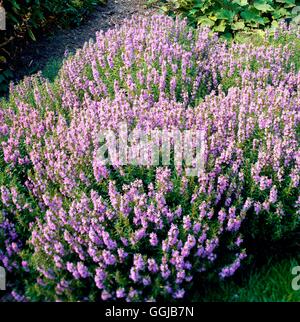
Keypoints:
pixel 266 20
pixel 251 16
pixel 213 18
pixel 262 6
pixel 282 12
pixel 289 5
pixel 225 14
pixel 199 4
pixel 193 12
pixel 204 21
pixel 248 15
pixel 221 27
pixel 286 1
pixel 238 25
pixel 241 2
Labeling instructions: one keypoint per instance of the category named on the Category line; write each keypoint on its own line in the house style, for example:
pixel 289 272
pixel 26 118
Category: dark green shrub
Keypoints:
pixel 228 17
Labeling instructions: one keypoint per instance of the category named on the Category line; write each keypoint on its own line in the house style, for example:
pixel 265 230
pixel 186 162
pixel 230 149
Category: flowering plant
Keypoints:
pixel 85 230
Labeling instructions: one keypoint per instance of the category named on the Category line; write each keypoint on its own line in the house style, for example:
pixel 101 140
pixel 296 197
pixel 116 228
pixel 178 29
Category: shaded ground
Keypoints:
pixel 54 46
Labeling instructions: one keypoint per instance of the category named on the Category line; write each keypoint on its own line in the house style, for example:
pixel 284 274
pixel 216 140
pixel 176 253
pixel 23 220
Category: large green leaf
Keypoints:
pixel 251 16
pixel 225 14
pixel 282 12
pixel 241 2
pixel 286 1
pixel 220 27
pixel 240 25
pixel 289 5
pixel 232 16
pixel 204 21
pixel 262 5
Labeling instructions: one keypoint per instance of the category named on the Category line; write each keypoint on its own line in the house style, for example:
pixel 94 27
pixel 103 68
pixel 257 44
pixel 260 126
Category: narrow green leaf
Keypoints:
pixel 31 35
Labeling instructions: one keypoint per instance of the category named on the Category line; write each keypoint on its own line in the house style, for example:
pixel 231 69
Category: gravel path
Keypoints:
pixel 36 56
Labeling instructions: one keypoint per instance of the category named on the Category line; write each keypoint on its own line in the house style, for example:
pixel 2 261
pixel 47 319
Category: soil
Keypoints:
pixel 54 46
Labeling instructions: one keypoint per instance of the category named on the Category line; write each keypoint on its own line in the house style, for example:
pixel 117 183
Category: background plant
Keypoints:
pixel 229 17
pixel 29 19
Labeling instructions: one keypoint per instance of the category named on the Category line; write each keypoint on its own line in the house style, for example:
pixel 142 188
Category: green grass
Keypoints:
pixel 269 283
pixel 52 68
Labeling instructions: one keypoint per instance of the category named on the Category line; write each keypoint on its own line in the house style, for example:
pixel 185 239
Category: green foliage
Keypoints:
pixel 26 21
pixel 263 228
pixel 52 68
pixel 229 17
pixel 269 283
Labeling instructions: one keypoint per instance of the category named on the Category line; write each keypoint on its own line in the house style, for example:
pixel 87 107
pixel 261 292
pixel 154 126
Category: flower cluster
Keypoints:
pixel 145 233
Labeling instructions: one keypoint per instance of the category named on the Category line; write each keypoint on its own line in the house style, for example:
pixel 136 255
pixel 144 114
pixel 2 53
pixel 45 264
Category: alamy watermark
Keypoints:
pixel 184 149
pixel 2 279
pixel 296 279
pixel 2 17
